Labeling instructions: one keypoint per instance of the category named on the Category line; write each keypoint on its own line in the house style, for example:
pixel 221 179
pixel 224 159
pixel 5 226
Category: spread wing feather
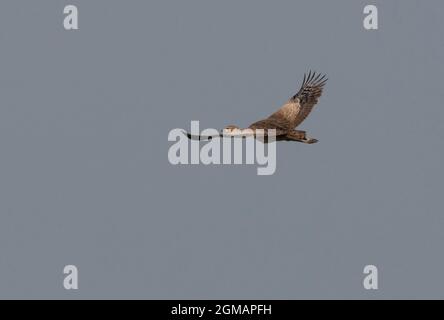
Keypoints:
pixel 308 95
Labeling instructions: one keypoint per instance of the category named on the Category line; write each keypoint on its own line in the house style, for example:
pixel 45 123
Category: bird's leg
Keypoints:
pixel 310 140
pixel 300 136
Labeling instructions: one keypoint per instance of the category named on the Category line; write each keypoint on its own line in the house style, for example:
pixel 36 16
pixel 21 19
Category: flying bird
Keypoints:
pixel 286 119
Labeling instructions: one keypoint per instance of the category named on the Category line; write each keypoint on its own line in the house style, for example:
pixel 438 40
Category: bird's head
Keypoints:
pixel 231 130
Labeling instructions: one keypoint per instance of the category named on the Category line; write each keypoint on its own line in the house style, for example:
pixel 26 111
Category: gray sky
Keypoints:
pixel 85 178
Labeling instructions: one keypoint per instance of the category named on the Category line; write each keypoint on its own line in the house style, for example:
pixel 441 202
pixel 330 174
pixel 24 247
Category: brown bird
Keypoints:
pixel 286 119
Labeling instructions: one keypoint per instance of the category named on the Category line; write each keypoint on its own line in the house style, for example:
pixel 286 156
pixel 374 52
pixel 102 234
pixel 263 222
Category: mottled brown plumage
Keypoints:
pixel 289 116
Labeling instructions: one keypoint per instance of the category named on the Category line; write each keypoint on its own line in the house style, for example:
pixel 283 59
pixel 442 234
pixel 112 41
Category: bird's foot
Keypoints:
pixel 310 140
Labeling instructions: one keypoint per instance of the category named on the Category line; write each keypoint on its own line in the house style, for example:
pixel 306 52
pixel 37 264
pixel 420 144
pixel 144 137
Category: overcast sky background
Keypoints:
pixel 85 178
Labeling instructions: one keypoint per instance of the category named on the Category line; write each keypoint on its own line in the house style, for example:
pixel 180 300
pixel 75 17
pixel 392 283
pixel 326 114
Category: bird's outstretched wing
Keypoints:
pixel 292 113
pixel 308 95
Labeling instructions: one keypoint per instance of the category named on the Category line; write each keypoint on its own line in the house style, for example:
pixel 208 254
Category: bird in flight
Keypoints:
pixel 286 119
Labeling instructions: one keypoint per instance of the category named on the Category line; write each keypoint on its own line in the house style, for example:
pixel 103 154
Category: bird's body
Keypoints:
pixel 287 118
